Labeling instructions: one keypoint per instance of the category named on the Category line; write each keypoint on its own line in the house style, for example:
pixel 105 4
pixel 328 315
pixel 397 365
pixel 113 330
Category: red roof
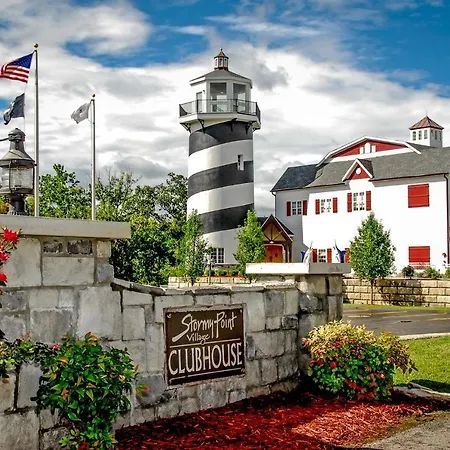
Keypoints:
pixel 426 122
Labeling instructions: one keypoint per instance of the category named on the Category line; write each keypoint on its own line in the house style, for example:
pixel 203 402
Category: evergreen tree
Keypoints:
pixel 371 252
pixel 191 254
pixel 251 247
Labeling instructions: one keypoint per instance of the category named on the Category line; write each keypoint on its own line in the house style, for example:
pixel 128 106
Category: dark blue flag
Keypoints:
pixel 16 109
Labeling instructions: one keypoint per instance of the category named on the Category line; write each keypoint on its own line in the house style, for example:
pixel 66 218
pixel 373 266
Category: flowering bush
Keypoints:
pixel 8 243
pixel 87 385
pixel 350 360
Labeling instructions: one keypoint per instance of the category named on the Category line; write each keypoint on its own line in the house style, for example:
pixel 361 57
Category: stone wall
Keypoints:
pixel 62 284
pixel 399 291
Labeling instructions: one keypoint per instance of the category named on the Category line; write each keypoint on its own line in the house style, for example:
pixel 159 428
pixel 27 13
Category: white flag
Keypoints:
pixel 81 113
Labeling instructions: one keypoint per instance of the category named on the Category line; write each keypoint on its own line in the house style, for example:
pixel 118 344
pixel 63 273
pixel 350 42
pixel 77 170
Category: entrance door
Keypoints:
pixel 274 253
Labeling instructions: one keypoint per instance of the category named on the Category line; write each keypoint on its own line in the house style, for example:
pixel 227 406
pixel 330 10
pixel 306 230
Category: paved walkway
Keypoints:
pixel 433 435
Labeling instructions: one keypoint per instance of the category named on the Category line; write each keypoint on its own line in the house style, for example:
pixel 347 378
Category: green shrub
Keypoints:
pixel 234 272
pixel 350 360
pixel 430 272
pixel 447 272
pixel 408 272
pixel 87 385
pixel 211 273
pixel 222 272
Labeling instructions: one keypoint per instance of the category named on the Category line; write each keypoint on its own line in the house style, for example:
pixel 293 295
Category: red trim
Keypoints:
pixel 349 202
pixel 368 201
pixel 328 255
pixel 288 208
pixel 314 255
pixel 305 207
pixel 361 176
pixel 317 206
pixel 418 195
pixel 335 205
pixel 380 147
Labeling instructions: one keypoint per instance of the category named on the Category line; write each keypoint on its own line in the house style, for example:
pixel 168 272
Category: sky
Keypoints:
pixel 325 72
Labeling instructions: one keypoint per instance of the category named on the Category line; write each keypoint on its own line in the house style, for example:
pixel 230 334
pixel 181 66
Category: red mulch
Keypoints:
pixel 277 421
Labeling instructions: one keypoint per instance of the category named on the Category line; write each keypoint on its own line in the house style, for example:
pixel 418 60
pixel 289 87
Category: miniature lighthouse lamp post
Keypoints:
pixel 17 173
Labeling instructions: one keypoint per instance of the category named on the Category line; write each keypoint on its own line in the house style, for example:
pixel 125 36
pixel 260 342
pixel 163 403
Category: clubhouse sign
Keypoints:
pixel 202 344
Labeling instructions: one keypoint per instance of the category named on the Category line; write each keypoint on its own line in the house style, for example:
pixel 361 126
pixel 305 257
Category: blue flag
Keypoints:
pixel 16 109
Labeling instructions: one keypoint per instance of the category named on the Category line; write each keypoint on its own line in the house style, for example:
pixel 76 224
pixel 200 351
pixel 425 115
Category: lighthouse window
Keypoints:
pixel 240 162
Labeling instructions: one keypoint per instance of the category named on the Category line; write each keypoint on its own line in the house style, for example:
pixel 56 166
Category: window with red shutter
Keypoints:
pixel 347 255
pixel 368 201
pixel 418 195
pixel 314 255
pixel 317 206
pixel 349 202
pixel 288 208
pixel 419 257
pixel 335 205
pixel 328 255
pixel 305 207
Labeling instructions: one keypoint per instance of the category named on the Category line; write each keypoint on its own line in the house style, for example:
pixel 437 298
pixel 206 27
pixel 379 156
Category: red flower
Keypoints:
pixel 4 256
pixel 319 361
pixel 11 236
pixel 56 346
pixel 332 364
pixel 3 277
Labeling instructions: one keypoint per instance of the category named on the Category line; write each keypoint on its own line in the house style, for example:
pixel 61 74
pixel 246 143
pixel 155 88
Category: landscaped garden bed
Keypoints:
pixel 278 421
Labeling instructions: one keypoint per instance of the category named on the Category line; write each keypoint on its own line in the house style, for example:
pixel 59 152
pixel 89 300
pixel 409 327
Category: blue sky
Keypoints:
pixel 325 72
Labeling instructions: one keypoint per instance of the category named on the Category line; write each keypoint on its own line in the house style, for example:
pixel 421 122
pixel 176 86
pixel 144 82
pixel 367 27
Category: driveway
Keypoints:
pixel 401 321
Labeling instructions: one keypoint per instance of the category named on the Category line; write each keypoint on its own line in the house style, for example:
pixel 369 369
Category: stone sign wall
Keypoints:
pixel 254 330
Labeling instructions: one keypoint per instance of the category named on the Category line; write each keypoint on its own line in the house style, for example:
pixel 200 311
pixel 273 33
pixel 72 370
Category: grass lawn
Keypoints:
pixel 432 358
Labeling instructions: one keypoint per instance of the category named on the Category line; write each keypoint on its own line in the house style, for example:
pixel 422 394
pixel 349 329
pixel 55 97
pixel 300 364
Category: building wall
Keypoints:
pixel 424 226
pixel 65 284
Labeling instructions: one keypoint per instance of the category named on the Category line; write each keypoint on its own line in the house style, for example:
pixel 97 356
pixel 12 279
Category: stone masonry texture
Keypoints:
pixel 65 285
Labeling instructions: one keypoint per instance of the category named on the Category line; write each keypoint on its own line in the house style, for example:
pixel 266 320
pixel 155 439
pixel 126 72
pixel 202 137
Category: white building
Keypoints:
pixel 404 183
pixel 221 121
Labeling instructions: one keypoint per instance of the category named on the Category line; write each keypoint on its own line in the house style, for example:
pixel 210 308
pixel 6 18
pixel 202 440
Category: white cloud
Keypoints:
pixel 308 107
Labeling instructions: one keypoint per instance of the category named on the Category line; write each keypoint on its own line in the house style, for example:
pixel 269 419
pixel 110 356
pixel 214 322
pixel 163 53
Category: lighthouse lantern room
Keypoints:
pixel 221 121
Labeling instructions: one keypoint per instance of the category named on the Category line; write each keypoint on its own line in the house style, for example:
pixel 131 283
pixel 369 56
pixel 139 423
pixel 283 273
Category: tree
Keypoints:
pixel 61 196
pixel 251 247
pixel 371 252
pixel 191 254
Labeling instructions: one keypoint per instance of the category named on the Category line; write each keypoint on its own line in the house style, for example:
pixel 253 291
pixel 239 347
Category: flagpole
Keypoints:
pixel 36 137
pixel 93 159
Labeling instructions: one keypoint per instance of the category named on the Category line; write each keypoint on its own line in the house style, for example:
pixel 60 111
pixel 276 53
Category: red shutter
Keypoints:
pixel 368 201
pixel 305 207
pixel 347 256
pixel 335 204
pixel 419 257
pixel 314 253
pixel 317 206
pixel 418 195
pixel 349 202
pixel 288 208
pixel 328 255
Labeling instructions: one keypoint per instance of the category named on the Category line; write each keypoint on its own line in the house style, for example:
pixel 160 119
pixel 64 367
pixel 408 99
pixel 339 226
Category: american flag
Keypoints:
pixel 18 69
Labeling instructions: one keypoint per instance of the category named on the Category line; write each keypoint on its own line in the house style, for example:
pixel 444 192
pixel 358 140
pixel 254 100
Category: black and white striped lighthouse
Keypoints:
pixel 221 121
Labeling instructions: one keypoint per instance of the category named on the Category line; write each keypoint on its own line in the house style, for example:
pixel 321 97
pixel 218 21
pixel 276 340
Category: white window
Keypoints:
pixel 425 134
pixel 296 208
pixel 419 135
pixel 359 203
pixel 240 162
pixel 322 255
pixel 325 205
pixel 414 135
pixel 218 256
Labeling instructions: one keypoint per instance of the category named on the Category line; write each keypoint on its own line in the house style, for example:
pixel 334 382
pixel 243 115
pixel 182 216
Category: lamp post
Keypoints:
pixel 17 173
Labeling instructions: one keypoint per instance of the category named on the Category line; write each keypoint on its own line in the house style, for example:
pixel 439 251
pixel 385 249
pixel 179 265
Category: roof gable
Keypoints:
pixel 366 145
pixel 359 170
pixel 275 231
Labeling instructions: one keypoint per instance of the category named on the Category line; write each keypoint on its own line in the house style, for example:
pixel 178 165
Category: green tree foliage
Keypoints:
pixel 191 254
pixel 251 247
pixel 371 252
pixel 157 215
pixel 61 196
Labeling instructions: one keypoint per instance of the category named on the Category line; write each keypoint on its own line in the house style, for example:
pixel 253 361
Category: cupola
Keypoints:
pixel 221 61
pixel 427 132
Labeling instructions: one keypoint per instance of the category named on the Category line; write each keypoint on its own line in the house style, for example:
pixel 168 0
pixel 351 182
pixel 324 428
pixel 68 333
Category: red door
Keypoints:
pixel 274 253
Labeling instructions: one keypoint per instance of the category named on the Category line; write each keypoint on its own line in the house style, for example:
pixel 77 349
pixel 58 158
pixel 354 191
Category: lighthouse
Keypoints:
pixel 221 121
